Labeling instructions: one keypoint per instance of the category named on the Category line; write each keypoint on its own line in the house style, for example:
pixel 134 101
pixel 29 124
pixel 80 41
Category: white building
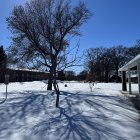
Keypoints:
pixel 133 65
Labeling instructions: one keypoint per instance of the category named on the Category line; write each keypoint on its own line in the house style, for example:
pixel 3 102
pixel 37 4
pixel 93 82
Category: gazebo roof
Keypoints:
pixel 131 64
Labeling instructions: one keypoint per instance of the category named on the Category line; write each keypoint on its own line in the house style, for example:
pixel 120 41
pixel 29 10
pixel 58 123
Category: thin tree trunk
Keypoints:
pixel 50 80
pixel 57 93
pixel 106 74
pixel 117 70
pixel 49 87
pixel 57 99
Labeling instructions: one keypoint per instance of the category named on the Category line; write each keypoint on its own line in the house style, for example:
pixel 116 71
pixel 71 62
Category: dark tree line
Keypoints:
pixel 66 75
pixel 102 62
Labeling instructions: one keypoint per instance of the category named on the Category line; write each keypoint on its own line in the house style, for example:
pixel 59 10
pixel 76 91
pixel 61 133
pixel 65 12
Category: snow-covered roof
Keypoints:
pixel 131 63
pixel 134 75
pixel 33 70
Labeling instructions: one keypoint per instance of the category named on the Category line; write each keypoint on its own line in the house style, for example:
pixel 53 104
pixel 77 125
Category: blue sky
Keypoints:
pixel 114 22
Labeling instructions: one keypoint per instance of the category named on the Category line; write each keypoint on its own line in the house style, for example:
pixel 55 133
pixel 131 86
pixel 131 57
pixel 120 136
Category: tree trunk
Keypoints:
pixel 57 92
pixel 49 87
pixel 50 80
pixel 57 99
pixel 117 67
pixel 106 76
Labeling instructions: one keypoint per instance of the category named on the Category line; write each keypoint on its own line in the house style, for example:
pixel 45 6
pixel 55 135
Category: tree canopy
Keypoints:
pixel 104 62
pixel 42 31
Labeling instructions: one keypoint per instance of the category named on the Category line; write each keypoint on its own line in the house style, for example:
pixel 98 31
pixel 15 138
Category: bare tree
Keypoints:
pixel 93 62
pixel 103 62
pixel 42 30
pixel 119 56
pixel 134 51
pixel 106 64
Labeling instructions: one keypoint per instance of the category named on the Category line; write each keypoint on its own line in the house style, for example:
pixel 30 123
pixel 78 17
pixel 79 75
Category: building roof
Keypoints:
pixel 134 75
pixel 131 63
pixel 32 70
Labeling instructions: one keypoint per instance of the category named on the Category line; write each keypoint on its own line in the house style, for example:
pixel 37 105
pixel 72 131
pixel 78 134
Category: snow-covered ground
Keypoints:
pixel 29 113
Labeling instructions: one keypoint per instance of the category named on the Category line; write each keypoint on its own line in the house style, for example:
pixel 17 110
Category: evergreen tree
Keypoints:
pixel 3 58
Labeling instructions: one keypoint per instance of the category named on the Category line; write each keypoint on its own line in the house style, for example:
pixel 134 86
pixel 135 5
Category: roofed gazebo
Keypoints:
pixel 134 64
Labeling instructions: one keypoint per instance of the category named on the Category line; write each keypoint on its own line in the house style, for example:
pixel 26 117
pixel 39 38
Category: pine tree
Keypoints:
pixel 3 58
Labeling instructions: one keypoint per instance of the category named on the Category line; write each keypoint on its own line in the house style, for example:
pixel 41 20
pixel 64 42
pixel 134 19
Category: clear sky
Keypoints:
pixel 114 22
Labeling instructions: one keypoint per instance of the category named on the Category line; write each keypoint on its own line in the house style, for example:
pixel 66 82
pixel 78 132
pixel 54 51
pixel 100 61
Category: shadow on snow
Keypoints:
pixel 80 117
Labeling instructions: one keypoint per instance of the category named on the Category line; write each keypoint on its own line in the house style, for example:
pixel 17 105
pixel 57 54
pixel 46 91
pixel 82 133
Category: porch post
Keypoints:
pixel 129 81
pixel 124 87
pixel 138 71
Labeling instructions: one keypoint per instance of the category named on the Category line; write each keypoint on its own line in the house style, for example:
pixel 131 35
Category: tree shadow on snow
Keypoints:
pixel 92 121
pixel 80 117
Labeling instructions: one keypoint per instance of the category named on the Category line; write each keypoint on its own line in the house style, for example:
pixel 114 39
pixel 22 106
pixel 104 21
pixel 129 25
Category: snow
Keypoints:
pixel 29 113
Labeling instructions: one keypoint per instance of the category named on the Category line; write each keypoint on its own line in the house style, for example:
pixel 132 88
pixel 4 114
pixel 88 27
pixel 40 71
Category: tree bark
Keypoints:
pixel 57 93
pixel 117 70
pixel 49 87
pixel 106 76
pixel 50 80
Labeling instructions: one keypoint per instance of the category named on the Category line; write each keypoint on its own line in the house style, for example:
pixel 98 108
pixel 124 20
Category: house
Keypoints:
pixel 22 75
pixel 132 71
pixel 115 78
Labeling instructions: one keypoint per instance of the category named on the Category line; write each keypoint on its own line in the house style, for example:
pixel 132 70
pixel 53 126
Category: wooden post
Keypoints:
pixel 6 83
pixel 129 81
pixel 124 87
